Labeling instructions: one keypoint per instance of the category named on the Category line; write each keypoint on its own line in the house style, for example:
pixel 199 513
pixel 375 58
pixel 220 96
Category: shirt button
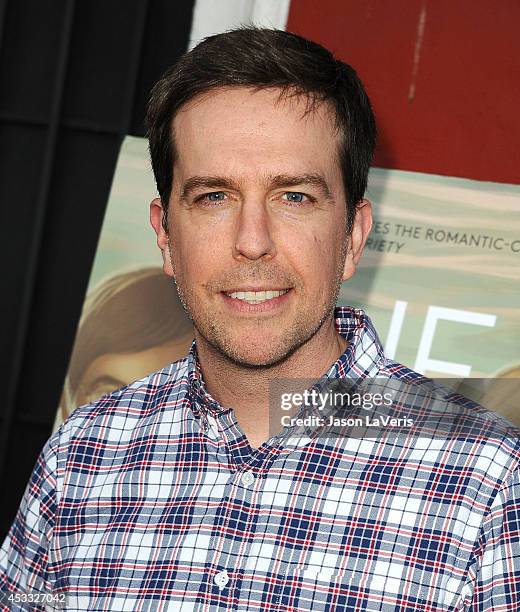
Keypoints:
pixel 221 579
pixel 247 478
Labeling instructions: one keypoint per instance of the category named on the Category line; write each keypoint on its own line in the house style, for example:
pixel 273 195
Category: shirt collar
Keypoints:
pixel 363 357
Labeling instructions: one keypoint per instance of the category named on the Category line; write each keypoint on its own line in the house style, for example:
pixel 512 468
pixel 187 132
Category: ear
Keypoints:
pixel 163 242
pixel 358 237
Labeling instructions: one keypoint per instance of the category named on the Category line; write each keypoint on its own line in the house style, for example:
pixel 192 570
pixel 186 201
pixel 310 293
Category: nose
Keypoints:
pixel 253 232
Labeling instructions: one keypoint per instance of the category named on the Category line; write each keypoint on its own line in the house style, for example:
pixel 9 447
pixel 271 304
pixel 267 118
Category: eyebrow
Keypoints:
pixel 276 181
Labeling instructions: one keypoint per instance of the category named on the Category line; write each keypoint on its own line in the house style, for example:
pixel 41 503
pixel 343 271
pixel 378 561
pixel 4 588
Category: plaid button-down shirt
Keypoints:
pixel 152 499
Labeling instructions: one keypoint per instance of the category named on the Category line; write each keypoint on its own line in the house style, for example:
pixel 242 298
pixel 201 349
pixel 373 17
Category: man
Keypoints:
pixel 173 493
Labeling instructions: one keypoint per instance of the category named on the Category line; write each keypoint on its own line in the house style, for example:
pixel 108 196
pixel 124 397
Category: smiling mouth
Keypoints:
pixel 255 297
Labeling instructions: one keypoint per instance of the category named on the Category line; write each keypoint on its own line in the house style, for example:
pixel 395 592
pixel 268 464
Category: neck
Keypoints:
pixel 246 389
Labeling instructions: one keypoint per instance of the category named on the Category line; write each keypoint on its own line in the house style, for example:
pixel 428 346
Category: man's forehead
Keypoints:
pixel 251 132
pixel 235 101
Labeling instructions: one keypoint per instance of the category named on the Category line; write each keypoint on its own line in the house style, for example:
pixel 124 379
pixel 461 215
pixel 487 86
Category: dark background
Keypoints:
pixel 74 78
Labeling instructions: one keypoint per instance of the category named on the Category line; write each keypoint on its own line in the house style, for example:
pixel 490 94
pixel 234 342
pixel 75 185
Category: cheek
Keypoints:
pixel 196 253
pixel 321 254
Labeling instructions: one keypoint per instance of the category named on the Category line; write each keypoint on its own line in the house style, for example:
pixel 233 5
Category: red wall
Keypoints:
pixel 465 117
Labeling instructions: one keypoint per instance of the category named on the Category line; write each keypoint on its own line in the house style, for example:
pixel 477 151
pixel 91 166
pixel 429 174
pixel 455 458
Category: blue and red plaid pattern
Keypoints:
pixel 152 499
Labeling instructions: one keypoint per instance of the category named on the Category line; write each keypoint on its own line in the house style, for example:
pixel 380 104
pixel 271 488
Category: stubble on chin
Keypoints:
pixel 257 345
pixel 263 348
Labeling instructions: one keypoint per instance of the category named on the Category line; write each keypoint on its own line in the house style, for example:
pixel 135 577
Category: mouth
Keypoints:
pixel 257 300
pixel 256 297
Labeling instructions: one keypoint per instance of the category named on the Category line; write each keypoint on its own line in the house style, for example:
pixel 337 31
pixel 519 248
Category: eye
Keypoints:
pixel 87 394
pixel 296 197
pixel 211 198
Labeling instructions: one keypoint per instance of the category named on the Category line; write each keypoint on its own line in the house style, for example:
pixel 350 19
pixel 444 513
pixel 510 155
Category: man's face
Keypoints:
pixel 257 205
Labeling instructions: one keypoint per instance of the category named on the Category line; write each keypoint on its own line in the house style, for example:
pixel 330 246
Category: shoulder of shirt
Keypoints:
pixel 139 400
pixel 500 435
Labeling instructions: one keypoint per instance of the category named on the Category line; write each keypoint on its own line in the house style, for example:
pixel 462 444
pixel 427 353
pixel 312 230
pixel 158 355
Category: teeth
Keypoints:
pixel 256 297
